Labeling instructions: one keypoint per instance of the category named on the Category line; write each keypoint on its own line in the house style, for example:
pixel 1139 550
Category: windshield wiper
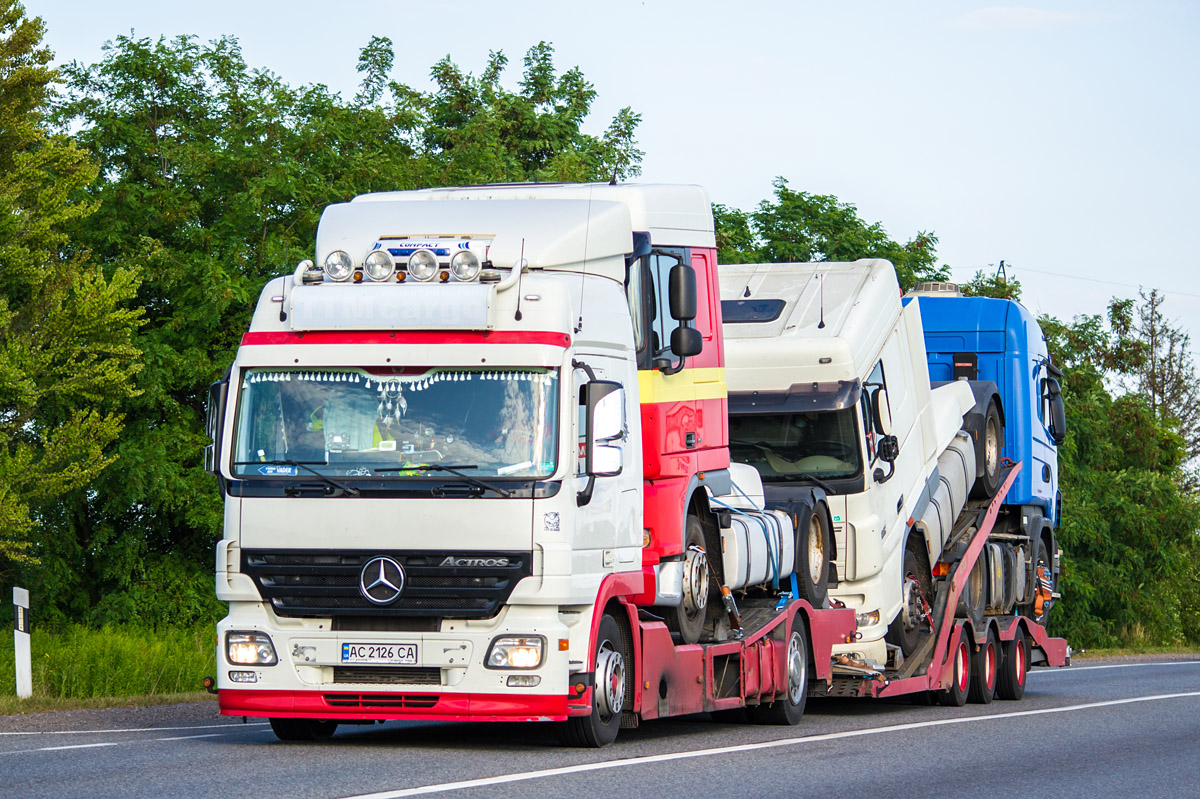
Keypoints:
pixel 814 479
pixel 306 466
pixel 454 470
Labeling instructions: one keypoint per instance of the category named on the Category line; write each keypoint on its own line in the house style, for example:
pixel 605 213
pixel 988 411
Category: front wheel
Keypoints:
pixel 788 709
pixel 987 454
pixel 688 619
pixel 303 729
pixel 813 545
pixel 599 728
pixel 911 622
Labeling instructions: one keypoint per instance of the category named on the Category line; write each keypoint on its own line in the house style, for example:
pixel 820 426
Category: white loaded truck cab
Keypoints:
pixel 829 386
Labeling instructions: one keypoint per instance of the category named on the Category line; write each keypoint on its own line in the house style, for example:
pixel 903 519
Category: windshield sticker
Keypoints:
pixel 277 470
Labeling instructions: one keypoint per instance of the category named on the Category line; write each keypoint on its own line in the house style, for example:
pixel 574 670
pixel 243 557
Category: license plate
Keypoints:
pixel 390 654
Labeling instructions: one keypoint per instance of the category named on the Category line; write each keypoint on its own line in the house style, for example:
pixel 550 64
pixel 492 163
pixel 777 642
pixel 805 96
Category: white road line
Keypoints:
pixel 725 750
pixel 1073 669
pixel 190 737
pixel 76 746
pixel 137 729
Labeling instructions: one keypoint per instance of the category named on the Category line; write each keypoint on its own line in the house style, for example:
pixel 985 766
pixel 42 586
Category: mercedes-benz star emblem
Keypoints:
pixel 381 581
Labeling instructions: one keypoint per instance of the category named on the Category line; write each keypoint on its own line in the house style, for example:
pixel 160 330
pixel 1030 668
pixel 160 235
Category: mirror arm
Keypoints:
pixel 585 496
pixel 880 477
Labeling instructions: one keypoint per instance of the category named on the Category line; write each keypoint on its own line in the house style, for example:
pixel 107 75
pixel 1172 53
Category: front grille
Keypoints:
pixel 324 583
pixel 373 701
pixel 387 675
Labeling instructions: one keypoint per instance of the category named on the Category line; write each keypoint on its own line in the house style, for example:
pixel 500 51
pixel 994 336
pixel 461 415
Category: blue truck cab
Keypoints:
pixel 987 340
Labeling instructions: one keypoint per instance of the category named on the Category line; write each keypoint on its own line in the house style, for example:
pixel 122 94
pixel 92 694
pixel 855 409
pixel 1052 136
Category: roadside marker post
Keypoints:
pixel 21 642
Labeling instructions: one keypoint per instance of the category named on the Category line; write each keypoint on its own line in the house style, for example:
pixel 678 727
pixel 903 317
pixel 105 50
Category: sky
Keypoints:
pixel 1059 137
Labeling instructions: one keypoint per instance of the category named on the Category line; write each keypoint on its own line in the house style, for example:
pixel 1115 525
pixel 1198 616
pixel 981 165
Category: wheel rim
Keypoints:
pixel 610 680
pixel 816 550
pixel 991 448
pixel 910 603
pixel 797 669
pixel 962 666
pixel 989 666
pixel 695 582
pixel 1020 661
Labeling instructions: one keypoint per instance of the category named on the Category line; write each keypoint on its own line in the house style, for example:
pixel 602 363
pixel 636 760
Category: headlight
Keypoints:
pixel 250 649
pixel 339 266
pixel 512 652
pixel 866 619
pixel 422 265
pixel 464 265
pixel 379 265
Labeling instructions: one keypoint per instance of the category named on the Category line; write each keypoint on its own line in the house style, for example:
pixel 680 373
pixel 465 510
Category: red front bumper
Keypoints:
pixel 369 706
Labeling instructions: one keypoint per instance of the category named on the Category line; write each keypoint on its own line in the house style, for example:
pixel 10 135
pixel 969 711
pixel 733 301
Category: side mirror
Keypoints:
pixel 217 393
pixel 682 292
pixel 882 413
pixel 1058 413
pixel 686 342
pixel 604 423
pixel 888 449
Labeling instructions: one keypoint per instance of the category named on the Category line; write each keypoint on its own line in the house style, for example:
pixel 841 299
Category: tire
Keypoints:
pixel 1014 666
pixel 599 728
pixel 984 667
pixel 961 662
pixel 973 598
pixel 987 454
pixel 813 546
pixel 1041 566
pixel 906 629
pixel 786 711
pixel 303 729
pixel 688 619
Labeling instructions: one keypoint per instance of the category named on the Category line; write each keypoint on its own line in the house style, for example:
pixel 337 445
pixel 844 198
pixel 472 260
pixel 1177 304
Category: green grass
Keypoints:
pixel 1183 652
pixel 79 663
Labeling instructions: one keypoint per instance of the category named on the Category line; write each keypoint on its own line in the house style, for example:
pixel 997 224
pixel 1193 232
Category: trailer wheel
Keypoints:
pixel 1014 665
pixel 813 545
pixel 788 709
pixel 599 728
pixel 984 665
pixel 688 619
pixel 987 454
pixel 957 695
pixel 303 729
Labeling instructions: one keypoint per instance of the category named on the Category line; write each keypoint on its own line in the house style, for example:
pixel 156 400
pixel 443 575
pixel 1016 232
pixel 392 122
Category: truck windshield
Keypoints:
pixel 796 445
pixel 363 423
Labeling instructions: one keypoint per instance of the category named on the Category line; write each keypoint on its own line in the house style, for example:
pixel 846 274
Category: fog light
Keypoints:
pixel 379 265
pixel 523 680
pixel 422 265
pixel 339 266
pixel 243 676
pixel 512 652
pixel 250 649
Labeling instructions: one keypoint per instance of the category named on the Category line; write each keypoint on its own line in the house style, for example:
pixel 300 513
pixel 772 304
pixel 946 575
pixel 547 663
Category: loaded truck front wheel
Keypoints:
pixel 688 619
pixel 911 622
pixel 812 554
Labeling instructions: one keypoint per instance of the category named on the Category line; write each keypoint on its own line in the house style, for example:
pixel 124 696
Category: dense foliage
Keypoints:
pixel 148 197
pixel 798 226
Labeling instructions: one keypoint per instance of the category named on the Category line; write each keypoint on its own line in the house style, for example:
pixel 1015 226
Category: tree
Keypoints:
pixel 1166 374
pixel 66 356
pixel 799 226
pixel 998 285
pixel 214 175
pixel 1129 522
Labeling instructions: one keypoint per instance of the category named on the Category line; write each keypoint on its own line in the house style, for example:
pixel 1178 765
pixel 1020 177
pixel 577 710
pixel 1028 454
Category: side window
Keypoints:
pixel 875 383
pixel 646 289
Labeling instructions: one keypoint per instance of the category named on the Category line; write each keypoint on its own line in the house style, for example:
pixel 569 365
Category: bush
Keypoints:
pixel 79 662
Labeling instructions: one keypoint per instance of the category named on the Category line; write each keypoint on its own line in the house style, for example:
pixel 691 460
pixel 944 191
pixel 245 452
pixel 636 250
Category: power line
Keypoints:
pixel 1074 277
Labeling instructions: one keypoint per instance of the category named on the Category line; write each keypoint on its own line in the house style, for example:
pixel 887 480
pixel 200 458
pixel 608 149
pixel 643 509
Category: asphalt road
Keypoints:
pixel 1116 729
